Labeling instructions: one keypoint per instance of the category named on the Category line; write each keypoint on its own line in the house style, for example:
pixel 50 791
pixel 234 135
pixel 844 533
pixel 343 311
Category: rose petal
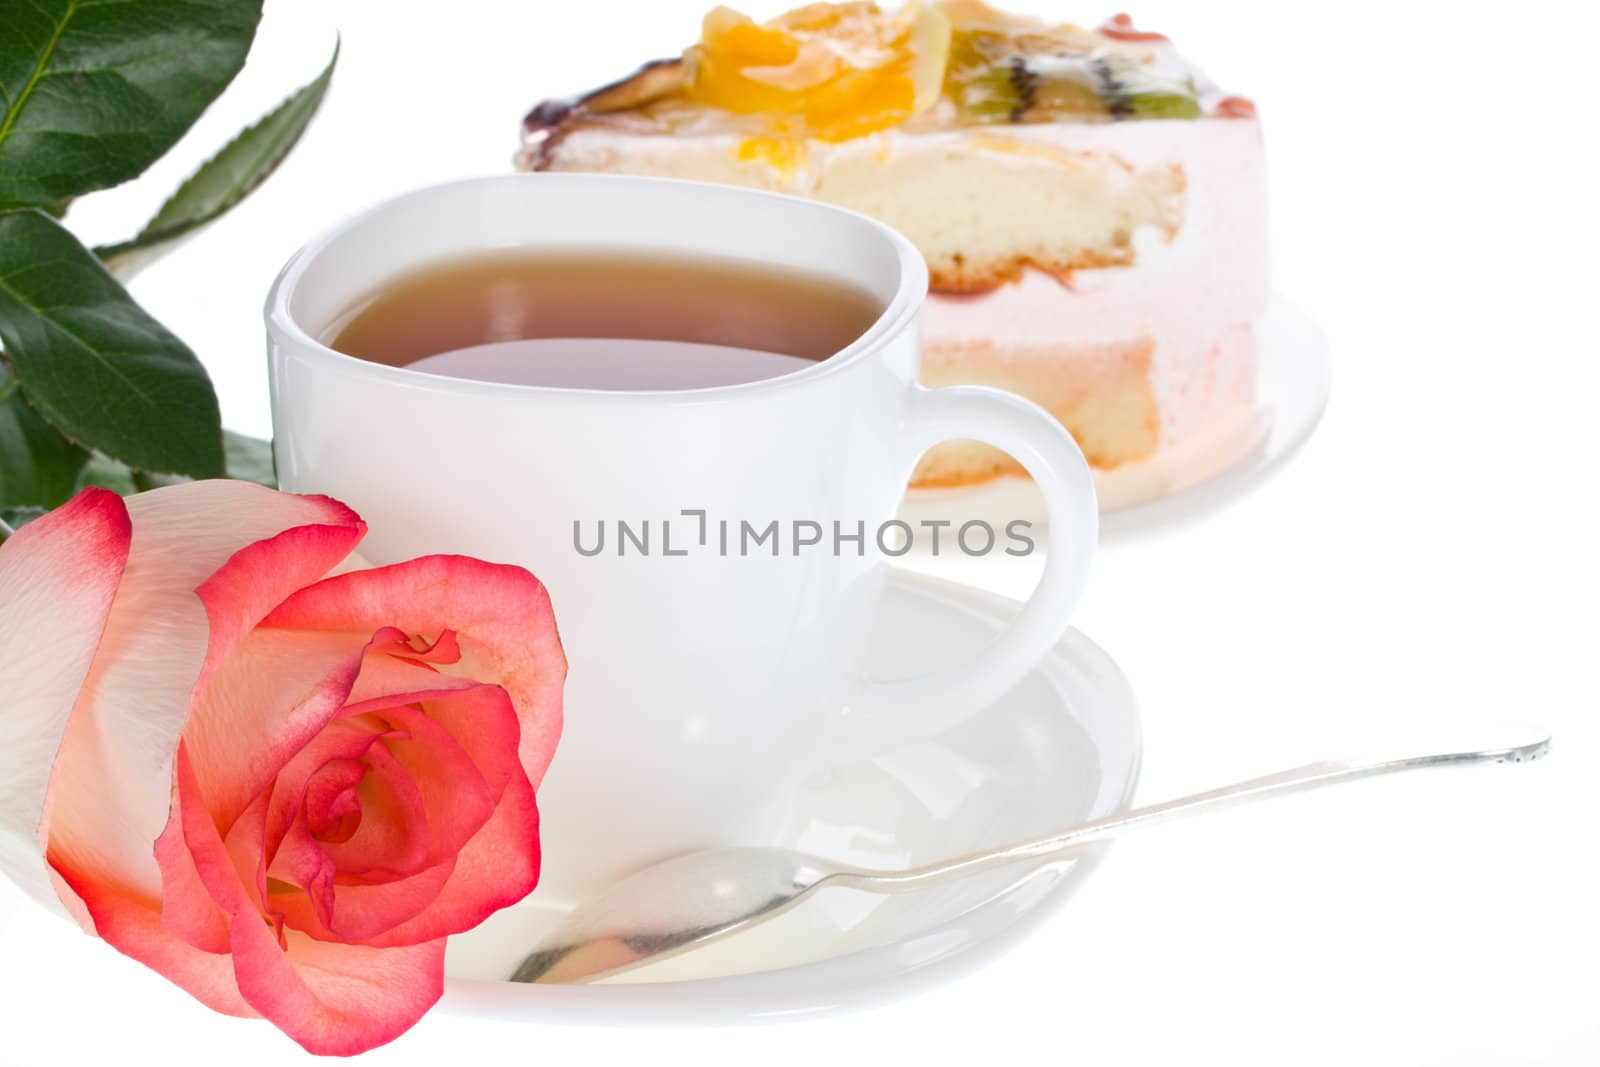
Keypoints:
pixel 248 722
pixel 458 798
pixel 245 842
pixel 333 809
pixel 333 999
pixel 363 912
pixel 497 868
pixel 187 909
pixel 133 924
pixel 500 615
pixel 387 677
pixel 396 642
pixel 275 839
pixel 264 705
pixel 501 856
pixel 456 794
pixel 241 689
pixel 301 863
pixel 394 839
pixel 112 789
pixel 336 999
pixel 347 739
pixel 58 576
pixel 478 717
pixel 135 928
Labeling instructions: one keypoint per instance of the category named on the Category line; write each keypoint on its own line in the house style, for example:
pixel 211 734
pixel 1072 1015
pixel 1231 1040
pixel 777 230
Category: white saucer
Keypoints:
pixel 1292 384
pixel 1060 748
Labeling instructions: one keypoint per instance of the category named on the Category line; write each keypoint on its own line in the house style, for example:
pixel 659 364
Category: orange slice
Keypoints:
pixel 831 71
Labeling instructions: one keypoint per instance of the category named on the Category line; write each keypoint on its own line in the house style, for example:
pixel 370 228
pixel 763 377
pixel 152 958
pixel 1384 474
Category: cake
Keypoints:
pixel 1092 207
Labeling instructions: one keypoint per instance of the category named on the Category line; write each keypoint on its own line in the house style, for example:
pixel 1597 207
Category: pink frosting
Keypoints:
pixel 1196 296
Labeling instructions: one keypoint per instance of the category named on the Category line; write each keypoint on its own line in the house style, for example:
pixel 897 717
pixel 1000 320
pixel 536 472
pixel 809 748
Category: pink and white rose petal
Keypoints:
pixel 275 775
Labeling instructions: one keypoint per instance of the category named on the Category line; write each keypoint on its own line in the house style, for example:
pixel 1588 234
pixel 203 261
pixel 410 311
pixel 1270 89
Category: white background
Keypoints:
pixel 1430 555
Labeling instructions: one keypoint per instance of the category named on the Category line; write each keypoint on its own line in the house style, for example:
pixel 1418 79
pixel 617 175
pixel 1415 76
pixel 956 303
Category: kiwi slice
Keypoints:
pixel 994 78
pixel 1133 91
pixel 1066 84
pixel 986 78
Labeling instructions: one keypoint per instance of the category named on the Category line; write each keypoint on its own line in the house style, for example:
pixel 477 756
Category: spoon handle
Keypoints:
pixel 1312 776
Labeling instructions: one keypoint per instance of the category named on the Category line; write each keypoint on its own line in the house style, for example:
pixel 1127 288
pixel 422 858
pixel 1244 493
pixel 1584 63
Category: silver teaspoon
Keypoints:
pixel 687 901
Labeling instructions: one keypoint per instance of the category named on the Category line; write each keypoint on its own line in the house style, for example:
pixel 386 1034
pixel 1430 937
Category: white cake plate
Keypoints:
pixel 1292 384
pixel 1060 748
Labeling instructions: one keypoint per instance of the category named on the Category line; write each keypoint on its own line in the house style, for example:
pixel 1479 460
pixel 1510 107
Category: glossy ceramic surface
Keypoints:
pixel 707 664
pixel 1061 747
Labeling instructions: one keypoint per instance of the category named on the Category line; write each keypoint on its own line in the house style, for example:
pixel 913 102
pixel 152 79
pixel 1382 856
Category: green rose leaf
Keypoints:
pixel 224 180
pixel 109 474
pixel 12 518
pixel 38 467
pixel 93 363
pixel 94 92
pixel 250 459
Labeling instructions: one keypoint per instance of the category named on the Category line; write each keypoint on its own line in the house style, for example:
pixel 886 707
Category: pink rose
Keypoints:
pixel 281 790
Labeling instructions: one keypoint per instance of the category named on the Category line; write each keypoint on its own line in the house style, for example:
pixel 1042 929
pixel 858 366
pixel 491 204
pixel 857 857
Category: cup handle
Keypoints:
pixel 882 714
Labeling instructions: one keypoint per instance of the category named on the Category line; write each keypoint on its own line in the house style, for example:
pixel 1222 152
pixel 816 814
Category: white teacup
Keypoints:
pixel 704 683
